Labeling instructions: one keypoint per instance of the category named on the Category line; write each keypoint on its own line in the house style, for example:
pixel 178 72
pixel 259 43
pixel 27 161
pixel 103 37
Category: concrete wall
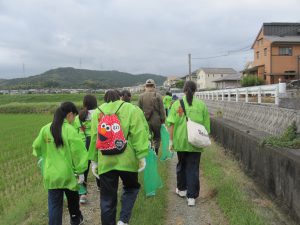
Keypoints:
pixel 267 118
pixel 276 170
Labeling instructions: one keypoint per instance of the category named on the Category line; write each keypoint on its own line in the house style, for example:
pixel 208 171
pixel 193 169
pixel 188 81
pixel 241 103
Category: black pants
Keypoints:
pixel 187 171
pixel 109 195
pixel 86 173
pixel 55 206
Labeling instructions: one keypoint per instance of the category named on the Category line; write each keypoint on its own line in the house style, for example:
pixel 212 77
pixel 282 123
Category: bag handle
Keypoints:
pixel 83 128
pixel 182 106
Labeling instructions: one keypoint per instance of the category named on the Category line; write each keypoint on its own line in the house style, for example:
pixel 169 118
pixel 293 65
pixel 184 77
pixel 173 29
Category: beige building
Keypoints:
pixel 276 53
pixel 207 76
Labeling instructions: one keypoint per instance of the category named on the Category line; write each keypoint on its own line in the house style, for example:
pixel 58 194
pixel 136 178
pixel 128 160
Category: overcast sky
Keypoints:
pixel 135 36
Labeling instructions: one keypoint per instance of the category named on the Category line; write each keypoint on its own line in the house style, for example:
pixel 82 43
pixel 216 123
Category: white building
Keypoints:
pixel 207 76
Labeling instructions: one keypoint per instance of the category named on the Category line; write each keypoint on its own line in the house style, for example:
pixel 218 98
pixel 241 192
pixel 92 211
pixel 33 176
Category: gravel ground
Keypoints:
pixel 91 210
pixel 205 212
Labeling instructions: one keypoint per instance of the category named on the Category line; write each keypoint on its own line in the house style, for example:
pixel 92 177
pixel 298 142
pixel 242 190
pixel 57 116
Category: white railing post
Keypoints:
pixel 229 97
pixel 217 96
pixel 237 95
pixel 259 96
pixel 222 95
pixel 277 95
pixel 246 96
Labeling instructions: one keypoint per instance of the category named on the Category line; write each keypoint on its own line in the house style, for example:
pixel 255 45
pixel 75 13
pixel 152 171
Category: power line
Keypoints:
pixel 244 49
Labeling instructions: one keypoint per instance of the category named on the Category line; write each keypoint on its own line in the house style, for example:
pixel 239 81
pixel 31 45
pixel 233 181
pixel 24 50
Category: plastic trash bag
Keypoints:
pixel 82 190
pixel 152 180
pixel 165 138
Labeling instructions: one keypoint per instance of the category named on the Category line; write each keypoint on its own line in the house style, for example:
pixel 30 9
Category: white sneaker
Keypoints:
pixel 181 193
pixel 122 223
pixel 191 202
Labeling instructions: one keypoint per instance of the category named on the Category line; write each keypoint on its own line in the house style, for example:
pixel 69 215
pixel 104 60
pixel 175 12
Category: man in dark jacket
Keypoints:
pixel 152 105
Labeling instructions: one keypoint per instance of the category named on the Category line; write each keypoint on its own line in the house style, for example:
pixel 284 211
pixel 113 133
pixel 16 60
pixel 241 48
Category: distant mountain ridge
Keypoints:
pixel 68 77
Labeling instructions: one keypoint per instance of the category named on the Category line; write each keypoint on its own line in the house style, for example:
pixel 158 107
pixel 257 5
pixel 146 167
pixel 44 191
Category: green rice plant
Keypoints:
pixel 21 187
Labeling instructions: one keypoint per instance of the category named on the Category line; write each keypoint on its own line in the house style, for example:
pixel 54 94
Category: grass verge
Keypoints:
pixel 224 177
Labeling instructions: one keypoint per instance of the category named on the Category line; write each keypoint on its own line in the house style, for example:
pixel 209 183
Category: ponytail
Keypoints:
pixel 89 103
pixel 189 89
pixel 58 120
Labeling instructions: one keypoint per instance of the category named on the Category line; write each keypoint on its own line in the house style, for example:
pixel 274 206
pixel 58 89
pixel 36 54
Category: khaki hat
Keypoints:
pixel 149 82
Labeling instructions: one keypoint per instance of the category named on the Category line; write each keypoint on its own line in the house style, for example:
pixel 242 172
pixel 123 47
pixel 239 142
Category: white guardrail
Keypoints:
pixel 237 94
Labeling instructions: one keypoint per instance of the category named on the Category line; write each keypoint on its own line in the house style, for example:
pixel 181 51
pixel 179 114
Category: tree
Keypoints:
pixel 179 84
pixel 251 80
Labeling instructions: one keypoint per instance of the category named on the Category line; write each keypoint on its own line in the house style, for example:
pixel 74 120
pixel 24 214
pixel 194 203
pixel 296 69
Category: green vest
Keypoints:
pixel 132 124
pixel 197 113
pixel 61 164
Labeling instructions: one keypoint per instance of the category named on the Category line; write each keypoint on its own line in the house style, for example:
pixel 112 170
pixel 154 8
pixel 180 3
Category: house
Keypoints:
pixel 276 53
pixel 171 81
pixel 193 77
pixel 207 76
pixel 231 81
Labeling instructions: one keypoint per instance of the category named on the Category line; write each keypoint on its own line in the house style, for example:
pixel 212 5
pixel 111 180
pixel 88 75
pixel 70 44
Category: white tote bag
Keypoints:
pixel 197 134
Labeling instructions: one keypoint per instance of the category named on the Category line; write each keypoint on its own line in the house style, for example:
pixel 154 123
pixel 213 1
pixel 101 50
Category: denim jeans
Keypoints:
pixel 187 171
pixel 109 195
pixel 55 206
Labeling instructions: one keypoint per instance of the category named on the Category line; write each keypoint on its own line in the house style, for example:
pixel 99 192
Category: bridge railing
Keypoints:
pixel 246 94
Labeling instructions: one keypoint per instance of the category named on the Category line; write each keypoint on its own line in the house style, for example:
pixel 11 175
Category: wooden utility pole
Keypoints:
pixel 190 67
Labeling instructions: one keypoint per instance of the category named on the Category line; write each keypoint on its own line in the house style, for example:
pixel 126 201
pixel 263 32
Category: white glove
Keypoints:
pixel 142 164
pixel 80 178
pixel 40 161
pixel 171 145
pixel 95 169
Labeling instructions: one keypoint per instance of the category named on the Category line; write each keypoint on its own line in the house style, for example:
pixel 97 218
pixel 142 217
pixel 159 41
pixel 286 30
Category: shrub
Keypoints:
pixel 288 139
pixel 251 80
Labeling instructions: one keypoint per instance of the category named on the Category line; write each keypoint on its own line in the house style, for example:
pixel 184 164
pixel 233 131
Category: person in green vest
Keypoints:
pixel 125 165
pixel 167 101
pixel 64 158
pixel 187 170
pixel 82 124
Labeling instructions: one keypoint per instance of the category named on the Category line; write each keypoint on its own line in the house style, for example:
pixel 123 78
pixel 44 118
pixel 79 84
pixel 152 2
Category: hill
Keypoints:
pixel 69 77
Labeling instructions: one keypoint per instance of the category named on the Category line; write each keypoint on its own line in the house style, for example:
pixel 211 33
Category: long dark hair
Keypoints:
pixel 58 119
pixel 189 88
pixel 89 103
pixel 111 96
pixel 126 95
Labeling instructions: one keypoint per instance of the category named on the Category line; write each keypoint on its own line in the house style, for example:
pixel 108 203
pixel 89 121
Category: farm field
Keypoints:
pixel 21 189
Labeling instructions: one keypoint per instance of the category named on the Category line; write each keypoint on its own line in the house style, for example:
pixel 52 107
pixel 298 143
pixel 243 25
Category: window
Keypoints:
pixel 257 55
pixel 265 52
pixel 285 51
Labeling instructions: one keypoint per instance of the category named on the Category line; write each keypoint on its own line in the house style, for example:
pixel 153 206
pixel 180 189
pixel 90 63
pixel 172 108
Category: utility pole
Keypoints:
pixel 23 70
pixel 190 66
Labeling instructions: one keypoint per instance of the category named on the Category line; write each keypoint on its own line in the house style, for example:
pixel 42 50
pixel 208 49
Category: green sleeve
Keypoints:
pixel 93 152
pixel 206 119
pixel 37 145
pixel 138 135
pixel 76 124
pixel 171 119
pixel 78 152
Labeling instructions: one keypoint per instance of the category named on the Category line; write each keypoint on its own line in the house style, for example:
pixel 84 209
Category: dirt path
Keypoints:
pixel 91 210
pixel 205 212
